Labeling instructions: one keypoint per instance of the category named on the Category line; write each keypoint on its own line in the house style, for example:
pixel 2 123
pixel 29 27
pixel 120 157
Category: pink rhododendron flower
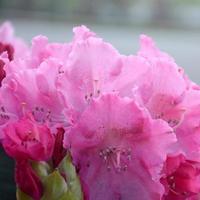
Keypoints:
pixel 25 139
pixel 86 77
pixel 147 77
pixel 130 123
pixel 182 178
pixel 27 180
pixel 41 67
pixel 42 50
pixel 143 76
pixel 10 47
pixel 149 50
pixel 117 145
pixel 33 90
pixel 188 134
pixel 39 96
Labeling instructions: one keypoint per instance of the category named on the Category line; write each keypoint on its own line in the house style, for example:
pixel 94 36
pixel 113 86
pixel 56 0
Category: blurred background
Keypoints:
pixel 174 25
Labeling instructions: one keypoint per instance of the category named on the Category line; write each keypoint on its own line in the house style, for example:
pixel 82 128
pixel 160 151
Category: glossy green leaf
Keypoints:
pixel 66 167
pixel 70 196
pixel 55 187
pixel 41 168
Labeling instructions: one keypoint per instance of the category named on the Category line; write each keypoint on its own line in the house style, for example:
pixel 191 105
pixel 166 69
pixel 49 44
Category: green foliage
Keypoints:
pixel 63 183
pixel 42 169
pixel 55 187
pixel 66 167
pixel 59 184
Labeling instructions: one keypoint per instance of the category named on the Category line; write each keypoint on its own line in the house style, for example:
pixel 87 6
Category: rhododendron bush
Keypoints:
pixel 84 122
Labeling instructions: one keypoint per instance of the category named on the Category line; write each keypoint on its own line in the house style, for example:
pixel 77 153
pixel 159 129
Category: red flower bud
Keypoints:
pixel 7 48
pixel 27 180
pixel 59 152
pixel 2 71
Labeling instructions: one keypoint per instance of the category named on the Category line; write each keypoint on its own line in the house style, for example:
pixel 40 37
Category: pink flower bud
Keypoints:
pixel 25 139
pixel 182 178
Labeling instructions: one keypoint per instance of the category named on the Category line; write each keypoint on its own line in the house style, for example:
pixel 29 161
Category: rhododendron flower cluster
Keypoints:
pixel 84 122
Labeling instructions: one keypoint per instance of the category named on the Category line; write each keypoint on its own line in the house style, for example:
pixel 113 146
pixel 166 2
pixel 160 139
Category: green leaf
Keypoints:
pixel 66 167
pixel 22 196
pixel 42 169
pixel 55 187
pixel 70 196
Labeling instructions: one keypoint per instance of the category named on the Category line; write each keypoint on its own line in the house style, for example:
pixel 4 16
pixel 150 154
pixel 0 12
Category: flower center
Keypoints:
pixel 96 91
pixel 4 117
pixel 41 115
pixel 116 159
